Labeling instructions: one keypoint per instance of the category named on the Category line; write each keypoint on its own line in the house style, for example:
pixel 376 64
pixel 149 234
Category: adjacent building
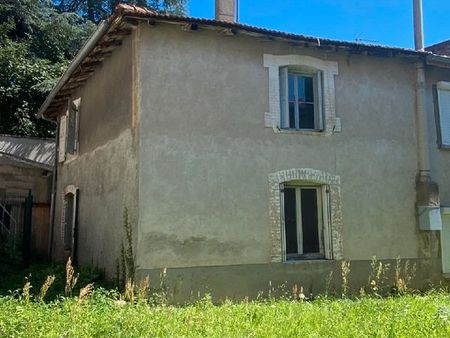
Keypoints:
pixel 26 166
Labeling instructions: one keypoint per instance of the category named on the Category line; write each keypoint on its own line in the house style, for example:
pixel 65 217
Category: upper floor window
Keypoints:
pixel 300 99
pixel 72 129
pixel 68 131
pixel 442 106
pixel 301 94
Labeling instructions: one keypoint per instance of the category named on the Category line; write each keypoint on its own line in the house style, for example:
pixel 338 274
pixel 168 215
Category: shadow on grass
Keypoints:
pixel 13 277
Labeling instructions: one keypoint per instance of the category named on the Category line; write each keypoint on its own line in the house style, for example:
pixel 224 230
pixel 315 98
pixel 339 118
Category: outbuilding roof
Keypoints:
pixel 124 19
pixel 32 151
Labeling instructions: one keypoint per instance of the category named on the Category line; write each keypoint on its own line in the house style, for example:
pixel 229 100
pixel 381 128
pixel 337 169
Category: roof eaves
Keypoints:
pixel 136 12
pixel 84 51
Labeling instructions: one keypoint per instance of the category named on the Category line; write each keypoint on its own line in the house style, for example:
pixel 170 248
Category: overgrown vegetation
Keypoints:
pixel 13 277
pixel 141 310
pixel 59 301
pixel 103 314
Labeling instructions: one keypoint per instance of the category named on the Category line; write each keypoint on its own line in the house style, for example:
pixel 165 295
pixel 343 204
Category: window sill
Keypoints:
pixel 444 147
pixel 70 158
pixel 300 132
pixel 308 261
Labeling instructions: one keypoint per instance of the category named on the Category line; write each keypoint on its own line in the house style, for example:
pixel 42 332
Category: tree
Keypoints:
pixel 96 10
pixel 36 42
pixel 38 38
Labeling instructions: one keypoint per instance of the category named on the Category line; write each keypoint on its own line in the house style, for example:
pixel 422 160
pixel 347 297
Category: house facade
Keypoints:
pixel 250 158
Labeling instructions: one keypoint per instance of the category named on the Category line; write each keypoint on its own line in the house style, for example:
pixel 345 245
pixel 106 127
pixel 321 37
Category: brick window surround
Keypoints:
pixel 329 70
pixel 310 176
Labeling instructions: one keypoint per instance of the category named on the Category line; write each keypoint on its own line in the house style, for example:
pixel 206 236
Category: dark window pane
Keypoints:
pixel 310 222
pixel 291 115
pixel 309 89
pixel 68 226
pixel 290 221
pixel 71 131
pixel 291 80
pixel 306 115
pixel 301 88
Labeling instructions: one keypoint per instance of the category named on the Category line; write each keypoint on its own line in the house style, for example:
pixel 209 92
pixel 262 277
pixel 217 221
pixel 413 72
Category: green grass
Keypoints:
pixel 104 314
pixel 100 315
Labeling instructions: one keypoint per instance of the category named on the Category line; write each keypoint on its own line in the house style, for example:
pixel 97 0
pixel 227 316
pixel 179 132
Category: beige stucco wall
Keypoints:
pixel 205 155
pixel 105 168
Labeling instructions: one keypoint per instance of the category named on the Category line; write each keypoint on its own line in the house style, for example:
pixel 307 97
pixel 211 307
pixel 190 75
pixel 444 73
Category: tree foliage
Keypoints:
pixel 36 42
pixel 96 10
pixel 38 38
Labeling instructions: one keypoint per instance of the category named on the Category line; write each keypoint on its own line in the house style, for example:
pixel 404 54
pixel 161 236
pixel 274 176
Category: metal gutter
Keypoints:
pixel 84 51
pixel 438 61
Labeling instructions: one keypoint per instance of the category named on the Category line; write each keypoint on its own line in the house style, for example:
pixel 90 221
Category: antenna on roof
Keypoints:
pixel 358 39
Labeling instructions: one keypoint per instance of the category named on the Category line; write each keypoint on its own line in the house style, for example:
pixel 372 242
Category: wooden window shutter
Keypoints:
pixel 76 105
pixel 71 130
pixel 284 92
pixel 63 217
pixel 62 138
pixel 283 229
pixel 326 206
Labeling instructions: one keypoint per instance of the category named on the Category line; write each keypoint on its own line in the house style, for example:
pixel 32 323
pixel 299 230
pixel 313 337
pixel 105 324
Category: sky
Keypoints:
pixel 385 22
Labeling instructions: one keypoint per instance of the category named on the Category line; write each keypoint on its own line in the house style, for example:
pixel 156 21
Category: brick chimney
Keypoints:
pixel 226 10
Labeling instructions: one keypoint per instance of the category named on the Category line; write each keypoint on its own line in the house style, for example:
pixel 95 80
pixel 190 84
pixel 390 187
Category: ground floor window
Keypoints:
pixel 305 215
pixel 305 222
pixel 69 203
pixel 69 217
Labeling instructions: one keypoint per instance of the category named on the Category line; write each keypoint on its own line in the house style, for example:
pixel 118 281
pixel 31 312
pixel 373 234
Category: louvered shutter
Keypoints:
pixel 62 138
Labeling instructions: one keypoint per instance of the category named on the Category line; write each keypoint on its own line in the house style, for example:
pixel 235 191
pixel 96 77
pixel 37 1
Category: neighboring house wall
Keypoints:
pixel 206 156
pixel 439 158
pixel 104 170
pixel 16 178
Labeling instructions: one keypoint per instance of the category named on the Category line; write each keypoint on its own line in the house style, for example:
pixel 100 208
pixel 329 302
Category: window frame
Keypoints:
pixel 438 89
pixel 284 98
pixel 323 210
pixel 327 69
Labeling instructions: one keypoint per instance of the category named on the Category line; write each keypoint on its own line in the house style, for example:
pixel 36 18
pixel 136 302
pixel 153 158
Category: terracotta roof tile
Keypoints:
pixel 441 48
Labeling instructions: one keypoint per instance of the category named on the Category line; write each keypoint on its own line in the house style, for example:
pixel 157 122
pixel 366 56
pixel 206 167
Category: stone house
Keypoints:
pixel 249 157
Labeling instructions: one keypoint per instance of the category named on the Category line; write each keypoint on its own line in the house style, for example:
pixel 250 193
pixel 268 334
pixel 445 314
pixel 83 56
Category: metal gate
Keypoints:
pixel 15 223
